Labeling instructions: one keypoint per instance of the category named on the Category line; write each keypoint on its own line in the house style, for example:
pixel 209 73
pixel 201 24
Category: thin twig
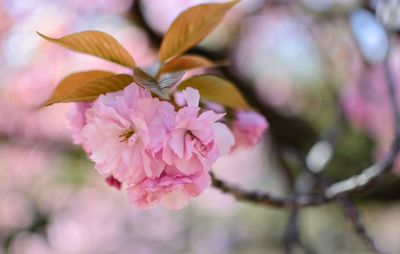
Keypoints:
pixel 292 230
pixel 291 234
pixel 267 199
pixel 351 211
pixel 348 186
pixel 348 208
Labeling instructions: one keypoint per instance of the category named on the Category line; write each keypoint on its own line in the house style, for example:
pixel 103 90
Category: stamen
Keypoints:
pixel 126 135
pixel 190 134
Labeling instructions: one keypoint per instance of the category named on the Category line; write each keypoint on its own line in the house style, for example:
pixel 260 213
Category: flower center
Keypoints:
pixel 191 135
pixel 202 148
pixel 126 135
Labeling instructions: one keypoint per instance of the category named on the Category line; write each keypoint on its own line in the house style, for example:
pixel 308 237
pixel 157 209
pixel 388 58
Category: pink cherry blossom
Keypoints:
pixel 77 120
pixel 172 191
pixel 190 149
pixel 248 127
pixel 196 141
pixel 124 134
pixel 163 156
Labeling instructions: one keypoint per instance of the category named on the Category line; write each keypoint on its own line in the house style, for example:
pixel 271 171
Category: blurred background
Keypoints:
pixel 315 67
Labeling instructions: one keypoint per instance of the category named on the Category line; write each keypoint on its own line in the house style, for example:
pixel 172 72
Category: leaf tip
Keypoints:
pixel 40 34
pixel 44 36
pixel 45 105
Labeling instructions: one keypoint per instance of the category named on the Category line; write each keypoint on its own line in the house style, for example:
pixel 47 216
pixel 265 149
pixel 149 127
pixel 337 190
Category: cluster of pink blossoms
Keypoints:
pixel 161 154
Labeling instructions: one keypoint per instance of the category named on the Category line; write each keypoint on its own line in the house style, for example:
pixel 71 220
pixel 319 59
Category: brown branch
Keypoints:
pixel 266 199
pixel 349 186
pixel 292 231
pixel 351 211
pixel 348 208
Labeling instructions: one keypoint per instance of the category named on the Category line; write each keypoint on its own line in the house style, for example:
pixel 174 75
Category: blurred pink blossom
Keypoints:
pixel 248 127
pixel 367 105
pixel 76 119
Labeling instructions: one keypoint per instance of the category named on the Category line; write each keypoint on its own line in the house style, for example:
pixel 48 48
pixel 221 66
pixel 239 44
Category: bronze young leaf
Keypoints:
pixel 95 43
pixel 186 62
pixel 192 26
pixel 87 86
pixel 216 89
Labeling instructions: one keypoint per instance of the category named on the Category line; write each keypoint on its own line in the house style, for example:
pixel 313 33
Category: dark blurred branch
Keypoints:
pixel 266 199
pixel 291 234
pixel 349 186
pixel 351 212
pixel 140 21
pixel 292 230
pixel 348 208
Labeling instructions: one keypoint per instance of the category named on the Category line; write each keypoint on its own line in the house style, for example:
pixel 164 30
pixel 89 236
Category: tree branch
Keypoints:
pixel 351 211
pixel 349 186
pixel 266 199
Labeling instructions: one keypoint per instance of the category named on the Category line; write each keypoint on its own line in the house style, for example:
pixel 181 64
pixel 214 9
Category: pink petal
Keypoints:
pixel 174 200
pixel 224 138
pixel 192 97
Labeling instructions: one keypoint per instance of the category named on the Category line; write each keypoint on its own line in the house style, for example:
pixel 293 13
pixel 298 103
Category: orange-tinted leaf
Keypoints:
pixel 216 89
pixel 87 86
pixel 97 44
pixel 191 26
pixel 186 62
